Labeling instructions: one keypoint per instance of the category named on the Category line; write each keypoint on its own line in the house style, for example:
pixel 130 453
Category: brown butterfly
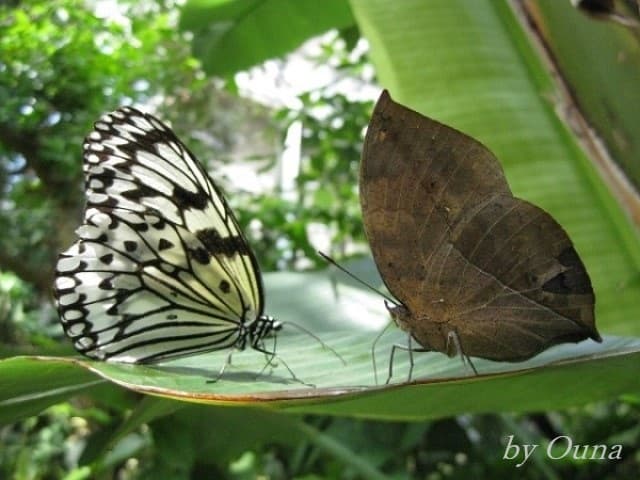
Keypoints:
pixel 478 271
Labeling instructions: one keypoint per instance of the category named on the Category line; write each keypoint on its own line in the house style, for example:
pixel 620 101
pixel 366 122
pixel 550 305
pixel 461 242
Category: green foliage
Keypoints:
pixel 13 294
pixel 230 447
pixel 35 448
pixel 51 444
pixel 325 190
pixel 230 36
pixel 61 66
pixel 611 59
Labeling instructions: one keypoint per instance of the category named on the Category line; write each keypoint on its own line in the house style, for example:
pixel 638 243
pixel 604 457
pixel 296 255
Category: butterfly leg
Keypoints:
pixel 271 355
pixel 392 355
pixel 391 358
pixel 453 338
pixel 373 352
pixel 410 349
pixel 411 363
pixel 227 362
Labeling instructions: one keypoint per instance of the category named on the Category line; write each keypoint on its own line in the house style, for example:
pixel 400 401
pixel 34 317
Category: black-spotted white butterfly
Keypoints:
pixel 161 268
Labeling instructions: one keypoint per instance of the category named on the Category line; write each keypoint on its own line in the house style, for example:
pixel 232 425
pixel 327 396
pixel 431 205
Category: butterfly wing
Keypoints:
pixel 459 251
pixel 161 267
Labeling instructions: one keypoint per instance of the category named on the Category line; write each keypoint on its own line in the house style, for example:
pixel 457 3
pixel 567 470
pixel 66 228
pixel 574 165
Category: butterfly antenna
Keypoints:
pixel 359 280
pixel 313 335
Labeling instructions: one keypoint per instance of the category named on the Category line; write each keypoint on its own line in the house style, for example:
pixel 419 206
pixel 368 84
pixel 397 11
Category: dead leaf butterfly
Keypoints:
pixel 478 272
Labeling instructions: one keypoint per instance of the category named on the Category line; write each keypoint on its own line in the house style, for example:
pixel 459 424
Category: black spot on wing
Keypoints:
pixel 140 227
pixel 574 280
pixel 217 245
pixel 142 191
pixel 187 200
pixel 130 246
pixel 107 259
pixel 200 255
pixel 157 222
pixel 164 244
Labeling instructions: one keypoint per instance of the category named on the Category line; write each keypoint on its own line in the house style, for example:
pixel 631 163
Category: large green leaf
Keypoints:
pixel 564 375
pixel 470 65
pixel 231 35
pixel 27 386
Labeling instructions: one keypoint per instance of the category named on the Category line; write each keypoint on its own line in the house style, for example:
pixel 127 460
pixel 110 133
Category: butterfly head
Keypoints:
pixel 400 315
pixel 261 328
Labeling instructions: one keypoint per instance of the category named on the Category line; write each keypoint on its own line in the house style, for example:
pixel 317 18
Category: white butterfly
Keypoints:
pixel 161 268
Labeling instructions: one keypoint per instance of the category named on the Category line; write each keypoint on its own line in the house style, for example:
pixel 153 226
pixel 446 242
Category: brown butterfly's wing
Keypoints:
pixel 459 251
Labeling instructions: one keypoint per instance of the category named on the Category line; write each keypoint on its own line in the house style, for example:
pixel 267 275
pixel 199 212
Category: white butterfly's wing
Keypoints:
pixel 161 268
